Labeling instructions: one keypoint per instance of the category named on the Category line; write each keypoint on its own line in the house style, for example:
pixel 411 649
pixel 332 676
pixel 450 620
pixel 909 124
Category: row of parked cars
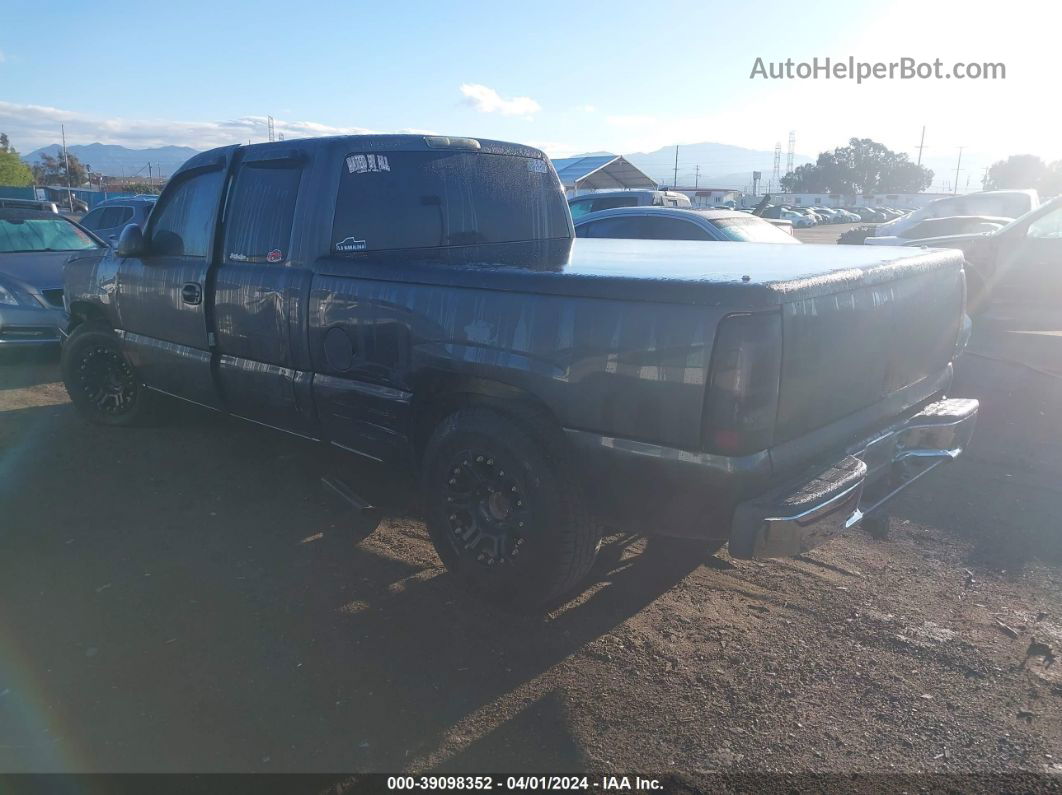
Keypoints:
pixel 811 216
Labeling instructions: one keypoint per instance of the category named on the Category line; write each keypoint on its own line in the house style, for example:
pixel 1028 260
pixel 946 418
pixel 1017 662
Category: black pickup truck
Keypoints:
pixel 421 302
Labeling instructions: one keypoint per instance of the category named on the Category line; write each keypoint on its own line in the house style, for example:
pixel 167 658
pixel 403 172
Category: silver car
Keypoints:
pixel 34 246
pixel 669 223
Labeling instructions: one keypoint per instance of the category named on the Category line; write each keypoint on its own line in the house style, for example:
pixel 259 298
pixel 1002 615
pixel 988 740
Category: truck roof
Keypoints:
pixel 368 143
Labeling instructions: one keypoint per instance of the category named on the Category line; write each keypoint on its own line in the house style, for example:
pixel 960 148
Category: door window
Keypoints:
pixel 1047 226
pixel 92 220
pixel 261 211
pixel 610 228
pixel 115 216
pixel 671 229
pixel 182 220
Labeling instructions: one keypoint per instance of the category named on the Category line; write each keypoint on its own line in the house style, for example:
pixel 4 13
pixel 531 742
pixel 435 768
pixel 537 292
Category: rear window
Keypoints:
pixel 751 230
pixel 401 200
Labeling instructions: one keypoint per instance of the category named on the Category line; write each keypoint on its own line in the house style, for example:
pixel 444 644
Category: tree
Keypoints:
pixel 13 172
pixel 51 170
pixel 1025 171
pixel 864 166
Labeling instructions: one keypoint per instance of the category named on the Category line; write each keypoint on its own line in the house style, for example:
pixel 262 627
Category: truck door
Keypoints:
pixel 256 292
pixel 161 294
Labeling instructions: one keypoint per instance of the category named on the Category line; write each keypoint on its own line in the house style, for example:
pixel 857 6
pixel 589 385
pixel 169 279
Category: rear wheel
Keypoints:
pixel 503 510
pixel 100 380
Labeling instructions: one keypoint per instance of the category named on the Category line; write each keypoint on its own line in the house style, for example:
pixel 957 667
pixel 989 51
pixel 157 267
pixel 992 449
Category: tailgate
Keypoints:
pixel 845 351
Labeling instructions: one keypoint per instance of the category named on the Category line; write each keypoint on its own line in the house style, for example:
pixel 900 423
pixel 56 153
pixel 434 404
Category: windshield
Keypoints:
pixel 751 230
pixel 42 234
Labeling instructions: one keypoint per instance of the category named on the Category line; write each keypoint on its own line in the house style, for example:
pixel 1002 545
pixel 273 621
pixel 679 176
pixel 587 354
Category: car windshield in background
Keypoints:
pixel 42 234
pixel 751 230
pixel 445 199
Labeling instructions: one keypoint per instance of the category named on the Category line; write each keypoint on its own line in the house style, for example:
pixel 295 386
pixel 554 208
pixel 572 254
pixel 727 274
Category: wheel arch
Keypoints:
pixel 438 395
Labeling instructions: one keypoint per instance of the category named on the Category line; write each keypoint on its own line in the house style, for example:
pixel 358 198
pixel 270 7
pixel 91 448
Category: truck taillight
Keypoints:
pixel 741 402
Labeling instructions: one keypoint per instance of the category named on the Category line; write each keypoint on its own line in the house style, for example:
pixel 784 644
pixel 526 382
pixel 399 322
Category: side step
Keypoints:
pixel 367 515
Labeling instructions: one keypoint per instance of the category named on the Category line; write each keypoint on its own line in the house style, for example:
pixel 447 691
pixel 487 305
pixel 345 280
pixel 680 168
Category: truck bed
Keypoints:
pixel 738 275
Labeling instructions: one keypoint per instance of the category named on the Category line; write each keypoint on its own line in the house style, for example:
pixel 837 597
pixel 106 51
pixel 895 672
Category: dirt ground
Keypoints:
pixel 189 597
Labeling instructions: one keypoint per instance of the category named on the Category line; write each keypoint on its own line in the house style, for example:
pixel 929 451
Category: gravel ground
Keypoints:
pixel 189 597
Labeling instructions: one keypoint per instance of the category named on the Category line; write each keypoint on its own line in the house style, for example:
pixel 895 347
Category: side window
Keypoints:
pixel 615 201
pixel 180 224
pixel 92 220
pixel 115 216
pixel 612 228
pixel 579 209
pixel 1047 226
pixel 671 229
pixel 261 210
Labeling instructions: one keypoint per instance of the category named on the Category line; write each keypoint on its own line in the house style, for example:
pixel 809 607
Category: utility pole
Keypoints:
pixel 789 154
pixel 921 143
pixel 66 167
pixel 957 170
pixel 149 172
pixel 777 162
pixel 984 180
pixel 674 179
pixel 697 177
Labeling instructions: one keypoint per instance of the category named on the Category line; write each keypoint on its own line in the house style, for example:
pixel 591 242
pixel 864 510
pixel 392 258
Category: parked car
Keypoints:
pixel 781 213
pixel 28 204
pixel 937 227
pixel 997 203
pixel 669 223
pixel 871 215
pixel 110 217
pixel 34 244
pixel 606 200
pixel 1018 263
pixel 541 387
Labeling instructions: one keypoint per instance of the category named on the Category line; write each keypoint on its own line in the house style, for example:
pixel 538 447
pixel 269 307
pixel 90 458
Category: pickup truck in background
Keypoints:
pixel 421 302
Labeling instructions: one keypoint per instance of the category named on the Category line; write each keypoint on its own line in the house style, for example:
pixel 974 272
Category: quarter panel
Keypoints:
pixel 631 369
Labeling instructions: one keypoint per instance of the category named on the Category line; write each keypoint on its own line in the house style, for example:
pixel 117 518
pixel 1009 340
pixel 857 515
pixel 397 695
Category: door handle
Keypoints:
pixel 192 293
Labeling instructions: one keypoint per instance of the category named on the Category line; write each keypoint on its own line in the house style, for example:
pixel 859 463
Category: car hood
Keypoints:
pixel 40 269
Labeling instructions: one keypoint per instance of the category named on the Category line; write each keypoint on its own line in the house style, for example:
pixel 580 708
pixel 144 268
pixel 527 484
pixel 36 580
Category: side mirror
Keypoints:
pixel 132 243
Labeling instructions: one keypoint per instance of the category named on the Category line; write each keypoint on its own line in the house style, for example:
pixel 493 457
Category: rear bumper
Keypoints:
pixel 829 501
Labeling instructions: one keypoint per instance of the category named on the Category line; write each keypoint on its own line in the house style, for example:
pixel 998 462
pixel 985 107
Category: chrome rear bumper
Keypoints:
pixel 824 504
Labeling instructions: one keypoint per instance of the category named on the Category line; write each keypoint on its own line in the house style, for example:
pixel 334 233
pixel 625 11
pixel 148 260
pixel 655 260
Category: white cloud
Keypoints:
pixel 487 100
pixel 32 126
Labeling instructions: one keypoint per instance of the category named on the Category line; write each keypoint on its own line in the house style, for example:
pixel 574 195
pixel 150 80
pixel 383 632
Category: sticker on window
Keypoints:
pixel 360 164
pixel 537 166
pixel 238 257
pixel 275 255
pixel 350 244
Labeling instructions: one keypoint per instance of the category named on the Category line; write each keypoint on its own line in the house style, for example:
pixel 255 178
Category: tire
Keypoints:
pixel 101 381
pixel 503 509
pixel 877 526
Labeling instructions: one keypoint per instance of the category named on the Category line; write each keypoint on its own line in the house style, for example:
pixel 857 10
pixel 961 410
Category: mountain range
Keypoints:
pixel 113 160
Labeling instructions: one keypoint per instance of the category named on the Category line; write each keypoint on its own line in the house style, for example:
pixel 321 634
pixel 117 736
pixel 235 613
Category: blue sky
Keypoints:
pixel 569 77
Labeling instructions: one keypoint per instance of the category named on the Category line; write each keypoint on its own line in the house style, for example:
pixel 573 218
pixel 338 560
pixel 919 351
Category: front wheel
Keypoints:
pixel 100 380
pixel 503 509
